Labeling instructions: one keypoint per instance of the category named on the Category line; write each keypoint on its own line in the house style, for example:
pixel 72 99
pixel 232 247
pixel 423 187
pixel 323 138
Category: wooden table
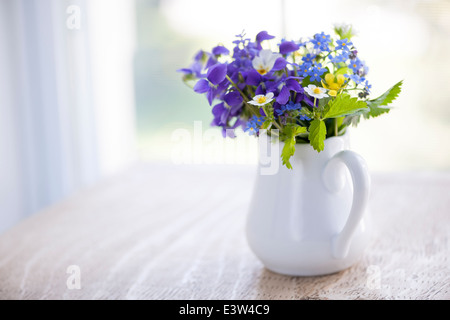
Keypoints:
pixel 177 232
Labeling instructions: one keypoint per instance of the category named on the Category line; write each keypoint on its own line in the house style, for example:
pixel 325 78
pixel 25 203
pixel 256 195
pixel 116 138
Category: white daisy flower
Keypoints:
pixel 316 92
pixel 261 100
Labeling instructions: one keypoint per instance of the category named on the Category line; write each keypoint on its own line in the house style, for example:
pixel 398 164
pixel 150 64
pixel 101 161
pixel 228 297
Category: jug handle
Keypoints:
pixel 361 184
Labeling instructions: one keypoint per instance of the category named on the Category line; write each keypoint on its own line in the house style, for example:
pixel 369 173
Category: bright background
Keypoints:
pixel 407 40
pixel 79 105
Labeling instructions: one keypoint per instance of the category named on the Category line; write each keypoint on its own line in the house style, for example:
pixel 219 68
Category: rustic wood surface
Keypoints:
pixel 177 232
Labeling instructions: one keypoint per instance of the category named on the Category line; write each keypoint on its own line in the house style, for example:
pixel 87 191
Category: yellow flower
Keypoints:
pixel 333 83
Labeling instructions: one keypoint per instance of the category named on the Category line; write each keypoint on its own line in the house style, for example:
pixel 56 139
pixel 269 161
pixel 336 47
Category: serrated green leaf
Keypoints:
pixel 317 134
pixel 352 120
pixel 343 105
pixel 375 111
pixel 299 130
pixel 288 151
pixel 387 97
pixel 355 120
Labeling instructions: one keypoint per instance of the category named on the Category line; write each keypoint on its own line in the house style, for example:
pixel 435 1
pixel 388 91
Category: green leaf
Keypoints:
pixel 269 118
pixel 292 130
pixel 344 70
pixel 324 101
pixel 288 151
pixel 306 81
pixel 289 144
pixel 269 112
pixel 353 119
pixel 343 105
pixel 387 97
pixel 383 100
pixel 317 134
pixel 375 111
pixel 267 124
pixel 299 130
pixel 344 31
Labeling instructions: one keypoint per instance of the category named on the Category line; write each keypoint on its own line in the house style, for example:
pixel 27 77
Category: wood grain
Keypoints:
pixel 177 232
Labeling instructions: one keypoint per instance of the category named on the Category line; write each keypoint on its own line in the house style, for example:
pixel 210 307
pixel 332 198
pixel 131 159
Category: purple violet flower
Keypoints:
pixel 220 50
pixel 216 74
pixel 212 91
pixel 288 47
pixel 263 35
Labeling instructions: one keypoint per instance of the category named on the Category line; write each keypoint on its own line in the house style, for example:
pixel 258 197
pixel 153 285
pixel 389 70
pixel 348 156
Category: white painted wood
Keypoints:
pixel 177 232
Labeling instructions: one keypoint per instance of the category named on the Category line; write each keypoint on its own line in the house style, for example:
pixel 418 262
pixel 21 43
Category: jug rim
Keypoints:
pixel 345 136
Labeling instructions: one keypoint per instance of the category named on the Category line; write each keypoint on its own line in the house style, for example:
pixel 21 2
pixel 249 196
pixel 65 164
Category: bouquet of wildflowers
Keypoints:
pixel 308 90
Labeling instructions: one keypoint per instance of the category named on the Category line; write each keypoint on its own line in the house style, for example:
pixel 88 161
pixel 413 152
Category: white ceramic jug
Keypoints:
pixel 311 220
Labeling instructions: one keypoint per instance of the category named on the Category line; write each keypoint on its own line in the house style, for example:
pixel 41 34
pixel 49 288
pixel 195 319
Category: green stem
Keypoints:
pixel 265 110
pixel 249 88
pixel 328 54
pixel 237 88
pixel 274 133
pixel 324 57
pixel 273 122
pixel 250 107
pixel 277 125
pixel 252 110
